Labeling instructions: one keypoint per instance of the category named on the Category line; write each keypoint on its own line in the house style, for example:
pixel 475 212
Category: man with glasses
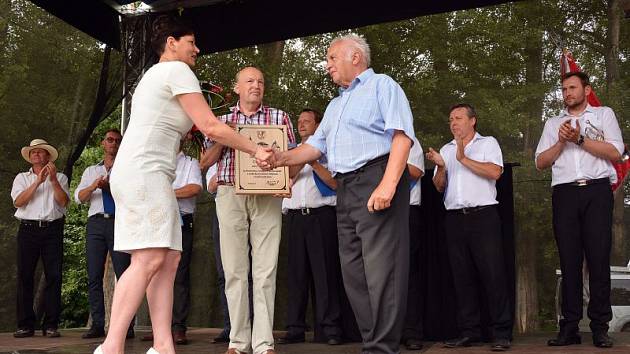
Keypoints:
pixel 94 190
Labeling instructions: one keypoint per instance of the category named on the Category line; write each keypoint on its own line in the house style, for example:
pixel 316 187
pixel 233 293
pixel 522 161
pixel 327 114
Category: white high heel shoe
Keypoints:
pixel 150 351
pixel 98 350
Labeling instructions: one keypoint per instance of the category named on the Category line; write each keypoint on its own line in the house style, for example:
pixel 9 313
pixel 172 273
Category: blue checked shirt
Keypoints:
pixel 359 124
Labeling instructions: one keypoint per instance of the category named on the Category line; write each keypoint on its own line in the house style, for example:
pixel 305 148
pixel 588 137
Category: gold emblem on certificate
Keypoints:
pixel 249 178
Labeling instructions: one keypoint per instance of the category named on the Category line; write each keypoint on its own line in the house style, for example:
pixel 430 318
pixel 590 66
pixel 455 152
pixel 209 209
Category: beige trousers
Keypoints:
pixel 245 220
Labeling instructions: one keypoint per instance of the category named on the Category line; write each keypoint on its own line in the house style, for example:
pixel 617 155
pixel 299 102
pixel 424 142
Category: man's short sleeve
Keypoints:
pixel 85 182
pixel 492 151
pixel 19 185
pixel 318 139
pixel 181 79
pixel 416 156
pixel 547 139
pixel 394 107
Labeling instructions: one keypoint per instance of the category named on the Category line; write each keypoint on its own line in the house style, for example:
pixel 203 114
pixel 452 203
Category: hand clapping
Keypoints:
pixel 568 133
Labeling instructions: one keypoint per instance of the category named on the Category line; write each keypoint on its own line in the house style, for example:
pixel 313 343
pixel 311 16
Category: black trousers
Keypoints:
pixel 416 290
pixel 314 263
pixel 34 242
pixel 582 224
pixel 181 290
pixel 100 241
pixel 475 251
pixel 374 253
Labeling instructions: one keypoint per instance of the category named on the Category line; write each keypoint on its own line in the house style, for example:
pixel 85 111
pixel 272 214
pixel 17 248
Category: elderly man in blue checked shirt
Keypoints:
pixel 366 135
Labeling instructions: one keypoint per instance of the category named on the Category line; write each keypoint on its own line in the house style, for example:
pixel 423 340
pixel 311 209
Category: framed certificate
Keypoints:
pixel 249 178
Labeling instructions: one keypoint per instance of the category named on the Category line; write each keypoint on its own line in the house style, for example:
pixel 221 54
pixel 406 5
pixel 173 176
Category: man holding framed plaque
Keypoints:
pixel 249 213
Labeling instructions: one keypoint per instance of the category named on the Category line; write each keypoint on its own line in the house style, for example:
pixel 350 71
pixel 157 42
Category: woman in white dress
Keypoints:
pixel 166 103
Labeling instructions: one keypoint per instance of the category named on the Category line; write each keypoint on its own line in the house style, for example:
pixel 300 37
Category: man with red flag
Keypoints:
pixel 579 145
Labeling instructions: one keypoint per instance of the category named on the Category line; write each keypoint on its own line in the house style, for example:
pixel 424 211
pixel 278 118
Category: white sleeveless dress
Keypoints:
pixel 141 180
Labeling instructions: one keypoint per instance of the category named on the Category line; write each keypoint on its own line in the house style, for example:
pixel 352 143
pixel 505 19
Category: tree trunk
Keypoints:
pixel 618 256
pixel 527 242
pixel 612 43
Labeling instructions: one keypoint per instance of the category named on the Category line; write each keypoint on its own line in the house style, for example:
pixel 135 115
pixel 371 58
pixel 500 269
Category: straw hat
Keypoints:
pixel 39 144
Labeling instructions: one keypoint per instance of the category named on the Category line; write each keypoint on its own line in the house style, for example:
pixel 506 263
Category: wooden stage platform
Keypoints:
pixel 71 343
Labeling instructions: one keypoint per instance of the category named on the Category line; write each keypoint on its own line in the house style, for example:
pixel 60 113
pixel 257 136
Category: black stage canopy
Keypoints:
pixel 228 24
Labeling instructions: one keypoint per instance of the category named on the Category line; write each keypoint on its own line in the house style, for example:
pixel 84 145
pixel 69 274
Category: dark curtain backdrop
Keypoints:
pixel 435 272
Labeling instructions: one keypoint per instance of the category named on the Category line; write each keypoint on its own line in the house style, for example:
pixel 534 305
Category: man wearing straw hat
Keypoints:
pixel 40 196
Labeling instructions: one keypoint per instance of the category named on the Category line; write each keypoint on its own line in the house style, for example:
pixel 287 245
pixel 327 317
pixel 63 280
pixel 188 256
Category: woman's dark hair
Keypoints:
pixel 165 26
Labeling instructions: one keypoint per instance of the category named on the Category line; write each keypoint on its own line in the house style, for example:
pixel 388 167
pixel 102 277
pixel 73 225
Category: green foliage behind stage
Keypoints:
pixel 503 60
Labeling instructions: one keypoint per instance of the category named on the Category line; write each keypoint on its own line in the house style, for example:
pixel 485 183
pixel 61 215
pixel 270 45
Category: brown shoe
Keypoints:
pixel 233 351
pixel 179 337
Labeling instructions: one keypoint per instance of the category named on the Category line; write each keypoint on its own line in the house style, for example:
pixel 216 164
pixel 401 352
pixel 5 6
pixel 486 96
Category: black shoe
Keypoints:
pixel 564 339
pixel 501 345
pixel 413 344
pixel 223 337
pixel 130 333
pixel 461 342
pixel 94 332
pixel 291 339
pixel 23 333
pixel 333 340
pixel 51 332
pixel 602 340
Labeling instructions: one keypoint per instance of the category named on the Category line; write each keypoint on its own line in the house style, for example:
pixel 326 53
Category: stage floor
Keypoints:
pixel 71 343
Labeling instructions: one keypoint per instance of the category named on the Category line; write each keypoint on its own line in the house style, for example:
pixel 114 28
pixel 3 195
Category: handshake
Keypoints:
pixel 268 158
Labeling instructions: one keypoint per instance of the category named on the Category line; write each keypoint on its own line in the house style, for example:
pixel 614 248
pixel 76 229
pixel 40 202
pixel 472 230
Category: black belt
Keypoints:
pixel 310 211
pixel 40 223
pixel 103 215
pixel 470 210
pixel 585 182
pixel 362 168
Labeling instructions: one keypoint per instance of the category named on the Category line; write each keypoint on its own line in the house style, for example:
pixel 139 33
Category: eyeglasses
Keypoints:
pixel 113 140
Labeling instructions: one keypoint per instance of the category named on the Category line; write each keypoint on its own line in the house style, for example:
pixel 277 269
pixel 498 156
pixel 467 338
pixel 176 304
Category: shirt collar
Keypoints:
pixel 237 107
pixel 364 76
pixel 101 163
pixel 589 108
pixel 476 137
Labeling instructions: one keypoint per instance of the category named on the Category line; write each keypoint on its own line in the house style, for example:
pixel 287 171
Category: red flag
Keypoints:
pixel 568 64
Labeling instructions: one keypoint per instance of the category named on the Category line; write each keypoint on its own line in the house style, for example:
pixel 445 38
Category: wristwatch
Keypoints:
pixel 580 140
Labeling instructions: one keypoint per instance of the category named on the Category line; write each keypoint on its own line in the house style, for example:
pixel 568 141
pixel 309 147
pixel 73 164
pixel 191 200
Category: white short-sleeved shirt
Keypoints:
pixel 416 159
pixel 574 163
pixel 464 188
pixel 42 205
pixel 89 176
pixel 305 194
pixel 188 172
pixel 212 170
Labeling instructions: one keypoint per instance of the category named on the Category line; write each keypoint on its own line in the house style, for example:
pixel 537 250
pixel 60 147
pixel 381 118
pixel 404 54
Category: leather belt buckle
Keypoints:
pixel 305 211
pixel 42 223
pixel 581 182
pixel 466 211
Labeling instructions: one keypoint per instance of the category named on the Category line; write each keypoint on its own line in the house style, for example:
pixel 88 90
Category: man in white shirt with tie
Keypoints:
pixel 313 246
pixel 579 146
pixel 466 171
pixel 40 196
pixel 94 190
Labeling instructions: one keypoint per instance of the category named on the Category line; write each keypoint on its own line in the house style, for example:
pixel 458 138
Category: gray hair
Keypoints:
pixel 359 43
